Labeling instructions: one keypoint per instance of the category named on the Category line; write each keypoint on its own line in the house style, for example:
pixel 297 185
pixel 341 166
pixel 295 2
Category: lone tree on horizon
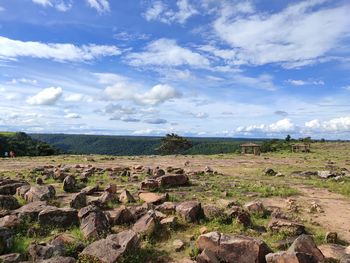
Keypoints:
pixel 173 144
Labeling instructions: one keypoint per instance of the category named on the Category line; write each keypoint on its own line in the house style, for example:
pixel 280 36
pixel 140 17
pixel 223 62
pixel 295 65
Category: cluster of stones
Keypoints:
pixel 88 208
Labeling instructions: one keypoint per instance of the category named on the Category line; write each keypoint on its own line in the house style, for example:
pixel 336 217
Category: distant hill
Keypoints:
pixel 24 145
pixel 133 145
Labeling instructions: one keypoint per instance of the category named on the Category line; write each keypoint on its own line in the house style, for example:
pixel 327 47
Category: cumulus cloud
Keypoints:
pixel 101 6
pixel 336 125
pixel 121 88
pixel 72 116
pixel 298 82
pixel 48 96
pixel 166 52
pixel 74 97
pixel 298 35
pixel 281 126
pixel 10 49
pixel 159 11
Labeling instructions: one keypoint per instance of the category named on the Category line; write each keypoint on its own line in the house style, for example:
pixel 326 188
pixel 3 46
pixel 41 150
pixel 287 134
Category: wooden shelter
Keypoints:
pixel 250 148
pixel 301 147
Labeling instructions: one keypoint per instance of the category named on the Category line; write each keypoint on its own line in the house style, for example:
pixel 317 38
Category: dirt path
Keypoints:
pixel 336 215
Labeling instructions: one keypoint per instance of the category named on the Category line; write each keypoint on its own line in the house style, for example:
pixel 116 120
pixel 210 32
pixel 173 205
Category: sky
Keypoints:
pixel 211 68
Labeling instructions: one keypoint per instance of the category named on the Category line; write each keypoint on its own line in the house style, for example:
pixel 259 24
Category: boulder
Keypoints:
pixel 9 186
pixel 191 211
pixel 93 222
pixel 153 198
pixel 11 258
pixel 331 237
pixel 232 249
pixel 111 188
pixel 178 245
pixel 9 221
pixel 158 173
pixel 78 200
pixel 90 190
pixel 21 191
pixel 172 180
pixel 6 239
pixel 286 226
pixel 240 215
pixel 213 212
pixel 147 224
pixel 106 198
pixel 255 207
pixel 290 257
pixel 138 211
pixel 58 217
pixel 170 221
pixel 40 193
pixel 112 248
pixel 8 202
pixel 120 216
pixel 42 251
pixel 345 259
pixel 125 197
pixel 269 172
pixel 69 184
pixel 149 184
pixel 305 244
pixel 167 208
pixel 31 210
pixel 326 174
pixel 332 251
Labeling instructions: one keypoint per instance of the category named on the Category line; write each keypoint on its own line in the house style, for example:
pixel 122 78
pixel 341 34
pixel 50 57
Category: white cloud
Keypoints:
pixel 166 52
pixel 10 49
pixel 263 81
pixel 24 81
pixel 72 116
pixel 121 88
pixel 74 97
pixel 296 36
pixel 298 82
pixel 102 6
pixel 126 36
pixel 156 121
pixel 336 125
pixel 158 11
pixel 281 126
pixel 60 5
pixel 48 96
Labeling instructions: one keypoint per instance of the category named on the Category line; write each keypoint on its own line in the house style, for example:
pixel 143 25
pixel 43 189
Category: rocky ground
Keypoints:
pixel 277 207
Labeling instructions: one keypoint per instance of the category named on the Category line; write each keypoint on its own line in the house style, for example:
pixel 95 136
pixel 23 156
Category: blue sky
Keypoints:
pixel 197 68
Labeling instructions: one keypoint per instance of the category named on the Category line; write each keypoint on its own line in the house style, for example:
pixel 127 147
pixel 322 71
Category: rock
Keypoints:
pixel 9 186
pixel 9 221
pixel 167 208
pixel 43 251
pixel 58 217
pixel 227 203
pixel 255 207
pixel 40 193
pixel 111 188
pixel 326 174
pixel 240 215
pixel 6 239
pixel 106 198
pixel 111 249
pixel 232 249
pixel 191 211
pixel 39 181
pixel 120 216
pixel 203 230
pixel 286 226
pixel 170 221
pixel 207 257
pixel 285 243
pixel 158 173
pixel 138 211
pixel 213 212
pixel 31 210
pixel 269 172
pixel 125 197
pixel 58 259
pixel 172 180
pixel 78 200
pixel 93 222
pixel 290 257
pixel 8 202
pixel 331 237
pixel 149 184
pixel 21 191
pixel 208 170
pixel 11 258
pixel 305 244
pixel 153 198
pixel 90 190
pixel 147 224
pixel 178 245
pixel 69 184
pixel 332 251
pixel 345 259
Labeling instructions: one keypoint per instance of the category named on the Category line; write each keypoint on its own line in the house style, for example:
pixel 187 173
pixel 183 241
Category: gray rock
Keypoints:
pixel 58 217
pixel 40 193
pixel 8 202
